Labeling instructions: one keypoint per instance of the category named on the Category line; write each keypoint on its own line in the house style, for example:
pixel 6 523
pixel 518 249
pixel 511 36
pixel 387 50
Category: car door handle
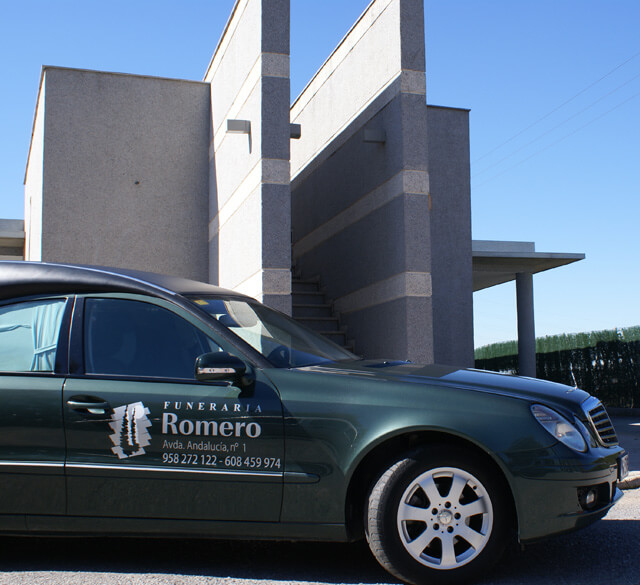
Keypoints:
pixel 88 406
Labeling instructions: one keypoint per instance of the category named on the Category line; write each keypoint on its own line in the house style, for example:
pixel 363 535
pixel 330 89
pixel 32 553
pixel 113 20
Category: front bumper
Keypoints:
pixel 557 502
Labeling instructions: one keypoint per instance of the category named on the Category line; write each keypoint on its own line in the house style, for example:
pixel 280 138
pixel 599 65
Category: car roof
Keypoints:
pixel 18 278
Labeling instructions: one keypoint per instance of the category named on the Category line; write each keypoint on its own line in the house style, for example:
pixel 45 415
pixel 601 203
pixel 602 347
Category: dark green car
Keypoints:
pixel 139 404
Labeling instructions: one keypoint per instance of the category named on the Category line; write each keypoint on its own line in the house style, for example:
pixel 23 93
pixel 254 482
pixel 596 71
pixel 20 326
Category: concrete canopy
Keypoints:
pixel 11 239
pixel 499 262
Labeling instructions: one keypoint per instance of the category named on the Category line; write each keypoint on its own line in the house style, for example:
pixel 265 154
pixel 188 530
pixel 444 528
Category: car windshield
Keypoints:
pixel 282 341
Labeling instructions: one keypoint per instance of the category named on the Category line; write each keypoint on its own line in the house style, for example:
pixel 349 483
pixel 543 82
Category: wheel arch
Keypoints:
pixel 382 455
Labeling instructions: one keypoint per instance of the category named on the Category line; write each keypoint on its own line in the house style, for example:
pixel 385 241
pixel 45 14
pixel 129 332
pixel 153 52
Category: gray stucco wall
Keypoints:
pixel 125 179
pixel 451 263
pixel 249 195
pixel 360 210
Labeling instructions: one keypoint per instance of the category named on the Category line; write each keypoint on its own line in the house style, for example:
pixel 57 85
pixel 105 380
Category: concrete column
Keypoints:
pixel 451 263
pixel 526 327
pixel 249 180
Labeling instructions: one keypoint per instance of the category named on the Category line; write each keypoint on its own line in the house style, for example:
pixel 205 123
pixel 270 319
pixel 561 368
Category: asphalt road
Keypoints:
pixel 607 552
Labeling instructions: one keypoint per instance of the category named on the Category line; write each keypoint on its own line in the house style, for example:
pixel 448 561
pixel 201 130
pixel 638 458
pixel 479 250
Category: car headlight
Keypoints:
pixel 559 427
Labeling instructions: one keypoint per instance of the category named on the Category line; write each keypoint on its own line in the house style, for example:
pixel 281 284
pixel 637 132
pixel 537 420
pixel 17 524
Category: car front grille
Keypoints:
pixel 601 423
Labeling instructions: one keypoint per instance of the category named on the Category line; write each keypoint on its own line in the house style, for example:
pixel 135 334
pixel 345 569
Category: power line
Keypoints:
pixel 557 126
pixel 557 108
pixel 557 141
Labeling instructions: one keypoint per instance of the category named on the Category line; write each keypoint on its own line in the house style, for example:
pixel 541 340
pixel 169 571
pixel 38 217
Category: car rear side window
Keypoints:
pixel 133 338
pixel 29 335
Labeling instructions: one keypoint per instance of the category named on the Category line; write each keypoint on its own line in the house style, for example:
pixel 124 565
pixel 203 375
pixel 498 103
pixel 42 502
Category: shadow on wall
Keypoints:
pixel 212 232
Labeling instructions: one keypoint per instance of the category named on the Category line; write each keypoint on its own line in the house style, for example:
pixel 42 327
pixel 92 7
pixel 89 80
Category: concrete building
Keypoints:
pixel 359 183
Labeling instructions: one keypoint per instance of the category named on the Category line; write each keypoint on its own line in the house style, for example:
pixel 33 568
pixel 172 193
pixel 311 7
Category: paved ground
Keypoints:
pixel 605 553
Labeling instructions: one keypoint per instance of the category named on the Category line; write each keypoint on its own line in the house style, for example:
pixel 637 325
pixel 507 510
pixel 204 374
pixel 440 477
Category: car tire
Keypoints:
pixel 439 515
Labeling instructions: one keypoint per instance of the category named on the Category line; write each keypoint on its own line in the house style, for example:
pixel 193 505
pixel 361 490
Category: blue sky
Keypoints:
pixel 554 93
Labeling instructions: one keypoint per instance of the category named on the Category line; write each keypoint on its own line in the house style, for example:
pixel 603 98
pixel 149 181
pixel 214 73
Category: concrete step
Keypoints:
pixel 303 286
pixel 310 308
pixel 308 298
pixel 304 311
pixel 339 337
pixel 321 324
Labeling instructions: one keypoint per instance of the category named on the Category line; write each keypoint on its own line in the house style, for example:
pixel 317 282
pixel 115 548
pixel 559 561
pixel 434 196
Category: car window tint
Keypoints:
pixel 29 335
pixel 133 338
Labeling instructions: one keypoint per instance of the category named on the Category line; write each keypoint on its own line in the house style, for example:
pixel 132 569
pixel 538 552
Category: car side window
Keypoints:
pixel 134 338
pixel 29 335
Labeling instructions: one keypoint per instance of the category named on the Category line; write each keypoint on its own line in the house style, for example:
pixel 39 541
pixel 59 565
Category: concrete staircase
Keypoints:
pixel 311 308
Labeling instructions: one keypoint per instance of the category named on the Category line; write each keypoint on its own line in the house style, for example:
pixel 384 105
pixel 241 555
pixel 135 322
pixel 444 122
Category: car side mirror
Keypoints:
pixel 220 365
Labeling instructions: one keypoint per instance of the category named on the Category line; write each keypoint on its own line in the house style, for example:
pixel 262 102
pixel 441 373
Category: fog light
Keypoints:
pixel 592 497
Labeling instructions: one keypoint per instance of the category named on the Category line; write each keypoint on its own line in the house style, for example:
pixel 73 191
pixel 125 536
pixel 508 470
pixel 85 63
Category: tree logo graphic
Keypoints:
pixel 129 424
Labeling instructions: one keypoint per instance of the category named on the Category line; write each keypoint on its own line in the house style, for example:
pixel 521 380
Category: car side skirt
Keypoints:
pixel 132 527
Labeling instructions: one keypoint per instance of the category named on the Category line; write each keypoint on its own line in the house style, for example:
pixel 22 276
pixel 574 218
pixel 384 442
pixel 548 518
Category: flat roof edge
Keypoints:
pixel 438 107
pixel 122 74
pixel 528 255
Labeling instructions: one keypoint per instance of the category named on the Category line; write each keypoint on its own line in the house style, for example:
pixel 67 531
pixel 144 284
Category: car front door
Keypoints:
pixel 145 439
pixel 32 447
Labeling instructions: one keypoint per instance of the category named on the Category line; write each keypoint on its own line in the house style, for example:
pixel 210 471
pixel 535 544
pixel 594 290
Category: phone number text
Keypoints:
pixel 233 461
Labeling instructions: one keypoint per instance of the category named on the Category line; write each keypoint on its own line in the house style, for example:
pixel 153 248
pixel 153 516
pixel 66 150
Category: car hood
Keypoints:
pixel 470 379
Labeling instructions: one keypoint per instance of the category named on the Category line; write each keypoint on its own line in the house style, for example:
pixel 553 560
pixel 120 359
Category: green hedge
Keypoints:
pixel 604 363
